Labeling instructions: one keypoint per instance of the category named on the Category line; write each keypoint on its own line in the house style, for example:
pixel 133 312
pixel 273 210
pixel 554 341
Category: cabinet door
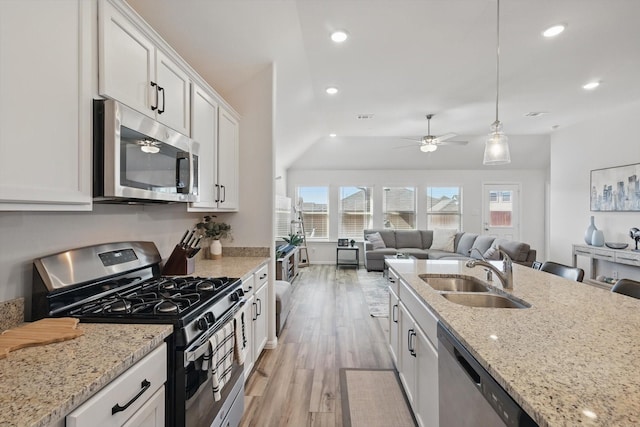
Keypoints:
pixel 204 126
pixel 45 104
pixel 126 62
pixel 259 321
pixel 151 414
pixel 426 398
pixel 394 328
pixel 248 330
pixel 228 160
pixel 407 353
pixel 173 104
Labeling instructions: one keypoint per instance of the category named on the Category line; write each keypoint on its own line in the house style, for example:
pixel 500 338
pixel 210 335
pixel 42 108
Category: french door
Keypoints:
pixel 501 210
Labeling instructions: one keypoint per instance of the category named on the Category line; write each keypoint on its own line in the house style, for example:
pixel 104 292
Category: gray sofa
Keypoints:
pixel 418 244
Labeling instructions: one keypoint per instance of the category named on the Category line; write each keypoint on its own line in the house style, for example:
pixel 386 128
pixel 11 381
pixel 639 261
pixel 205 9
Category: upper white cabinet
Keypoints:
pixel 46 81
pixel 228 160
pixel 204 130
pixel 136 72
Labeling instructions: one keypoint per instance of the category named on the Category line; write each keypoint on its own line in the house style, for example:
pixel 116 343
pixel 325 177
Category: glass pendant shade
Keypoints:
pixel 496 150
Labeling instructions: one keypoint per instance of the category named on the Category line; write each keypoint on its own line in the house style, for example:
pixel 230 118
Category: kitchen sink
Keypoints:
pixel 455 284
pixel 484 300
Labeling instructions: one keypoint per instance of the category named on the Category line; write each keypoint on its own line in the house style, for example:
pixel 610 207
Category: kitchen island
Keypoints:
pixel 572 358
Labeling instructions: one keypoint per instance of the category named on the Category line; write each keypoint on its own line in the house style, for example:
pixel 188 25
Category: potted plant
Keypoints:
pixel 294 239
pixel 213 231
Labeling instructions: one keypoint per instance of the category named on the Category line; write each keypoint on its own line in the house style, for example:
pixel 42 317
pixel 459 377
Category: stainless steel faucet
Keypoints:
pixel 505 276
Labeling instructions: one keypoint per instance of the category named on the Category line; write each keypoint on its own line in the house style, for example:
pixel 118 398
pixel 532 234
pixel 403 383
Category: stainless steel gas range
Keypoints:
pixel 121 283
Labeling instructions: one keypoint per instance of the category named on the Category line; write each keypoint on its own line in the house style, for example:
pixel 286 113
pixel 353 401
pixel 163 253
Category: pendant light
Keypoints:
pixel 496 150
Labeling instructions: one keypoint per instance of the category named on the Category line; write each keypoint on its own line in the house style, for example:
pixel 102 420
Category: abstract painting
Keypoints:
pixel 616 189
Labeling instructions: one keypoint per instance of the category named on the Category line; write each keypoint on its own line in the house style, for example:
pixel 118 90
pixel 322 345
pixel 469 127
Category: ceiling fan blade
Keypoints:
pixel 412 139
pixel 446 136
pixel 416 145
pixel 450 142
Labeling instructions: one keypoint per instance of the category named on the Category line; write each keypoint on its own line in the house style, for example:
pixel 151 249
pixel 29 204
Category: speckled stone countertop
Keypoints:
pixel 229 266
pixel 572 358
pixel 40 385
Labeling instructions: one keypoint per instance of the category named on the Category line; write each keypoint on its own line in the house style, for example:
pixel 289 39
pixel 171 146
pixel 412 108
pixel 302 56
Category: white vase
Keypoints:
pixel 588 234
pixel 215 249
pixel 597 238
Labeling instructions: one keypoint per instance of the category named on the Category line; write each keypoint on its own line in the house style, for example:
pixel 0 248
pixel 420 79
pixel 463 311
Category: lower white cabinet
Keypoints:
pixel 413 343
pixel 135 398
pixel 260 308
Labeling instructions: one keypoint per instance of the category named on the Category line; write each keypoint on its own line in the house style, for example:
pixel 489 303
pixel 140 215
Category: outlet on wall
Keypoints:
pixel 615 275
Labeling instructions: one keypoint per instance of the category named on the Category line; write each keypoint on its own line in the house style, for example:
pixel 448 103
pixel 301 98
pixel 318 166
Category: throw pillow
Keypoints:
pixel 443 239
pixel 376 241
pixel 492 253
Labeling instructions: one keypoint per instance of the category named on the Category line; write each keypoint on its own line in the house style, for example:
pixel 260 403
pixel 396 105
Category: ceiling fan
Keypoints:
pixel 430 143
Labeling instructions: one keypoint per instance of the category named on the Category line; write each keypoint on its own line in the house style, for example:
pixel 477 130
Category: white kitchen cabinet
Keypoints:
pixel 47 79
pixel 136 72
pixel 417 352
pixel 394 328
pixel 228 161
pixel 135 398
pixel 249 359
pixel 260 312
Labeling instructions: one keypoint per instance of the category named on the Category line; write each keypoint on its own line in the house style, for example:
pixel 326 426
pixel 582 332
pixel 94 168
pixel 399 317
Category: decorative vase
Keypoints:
pixel 588 234
pixel 597 238
pixel 215 249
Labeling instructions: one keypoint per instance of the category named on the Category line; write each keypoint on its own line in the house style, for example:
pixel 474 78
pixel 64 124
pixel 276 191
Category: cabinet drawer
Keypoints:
pixel 249 285
pixel 261 275
pixel 604 254
pixel 628 257
pixel 582 250
pixel 97 411
pixel 423 316
pixel 394 281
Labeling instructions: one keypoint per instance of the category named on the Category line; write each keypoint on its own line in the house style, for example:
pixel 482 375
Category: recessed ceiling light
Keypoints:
pixel 332 90
pixel 554 31
pixel 339 36
pixel 332 135
pixel 591 85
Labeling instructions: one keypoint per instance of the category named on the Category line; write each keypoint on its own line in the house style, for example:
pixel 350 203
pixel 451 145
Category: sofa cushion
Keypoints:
pixel 517 251
pixel 443 239
pixel 408 239
pixel 388 236
pixel 427 238
pixel 416 252
pixel 438 254
pixel 380 253
pixel 482 244
pixel 376 241
pixel 465 243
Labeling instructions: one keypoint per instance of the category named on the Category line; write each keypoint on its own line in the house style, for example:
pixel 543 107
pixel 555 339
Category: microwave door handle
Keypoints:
pixel 179 183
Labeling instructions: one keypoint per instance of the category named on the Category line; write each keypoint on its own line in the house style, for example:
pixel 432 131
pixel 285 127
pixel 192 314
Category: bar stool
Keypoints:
pixel 627 287
pixel 571 273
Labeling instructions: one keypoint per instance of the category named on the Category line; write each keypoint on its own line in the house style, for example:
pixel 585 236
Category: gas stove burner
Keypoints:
pixel 205 285
pixel 166 307
pixel 119 306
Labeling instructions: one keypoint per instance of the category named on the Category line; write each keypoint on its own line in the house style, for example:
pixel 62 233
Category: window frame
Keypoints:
pixel 428 193
pixel 327 213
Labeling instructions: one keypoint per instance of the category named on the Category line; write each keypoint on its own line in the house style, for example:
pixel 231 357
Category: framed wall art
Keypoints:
pixel 616 189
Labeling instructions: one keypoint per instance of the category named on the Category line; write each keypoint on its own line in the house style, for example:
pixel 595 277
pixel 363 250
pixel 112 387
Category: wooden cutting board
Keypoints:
pixel 40 332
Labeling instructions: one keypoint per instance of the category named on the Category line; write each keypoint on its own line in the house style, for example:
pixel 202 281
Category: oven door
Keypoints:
pixel 201 408
pixel 141 159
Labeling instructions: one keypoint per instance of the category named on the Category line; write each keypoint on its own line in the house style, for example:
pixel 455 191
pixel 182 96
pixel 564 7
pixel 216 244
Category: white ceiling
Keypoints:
pixel 407 58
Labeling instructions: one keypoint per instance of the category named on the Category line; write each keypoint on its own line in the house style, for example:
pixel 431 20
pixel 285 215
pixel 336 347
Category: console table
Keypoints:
pixel 350 261
pixel 616 256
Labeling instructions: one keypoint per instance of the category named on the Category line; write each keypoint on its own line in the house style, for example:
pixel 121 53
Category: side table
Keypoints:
pixel 350 261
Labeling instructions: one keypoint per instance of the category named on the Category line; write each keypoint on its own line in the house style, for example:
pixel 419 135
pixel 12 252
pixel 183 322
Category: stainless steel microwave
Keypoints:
pixel 137 159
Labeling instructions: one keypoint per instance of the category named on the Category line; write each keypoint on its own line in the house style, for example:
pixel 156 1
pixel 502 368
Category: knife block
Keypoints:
pixel 179 263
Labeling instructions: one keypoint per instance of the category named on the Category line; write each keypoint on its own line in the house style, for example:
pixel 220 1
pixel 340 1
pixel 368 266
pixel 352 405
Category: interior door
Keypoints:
pixel 501 210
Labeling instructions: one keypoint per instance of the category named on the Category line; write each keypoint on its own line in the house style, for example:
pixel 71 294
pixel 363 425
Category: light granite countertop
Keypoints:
pixel 572 358
pixel 40 385
pixel 229 266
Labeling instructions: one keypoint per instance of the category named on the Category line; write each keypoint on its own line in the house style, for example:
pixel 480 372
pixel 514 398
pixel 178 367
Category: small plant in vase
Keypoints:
pixel 212 231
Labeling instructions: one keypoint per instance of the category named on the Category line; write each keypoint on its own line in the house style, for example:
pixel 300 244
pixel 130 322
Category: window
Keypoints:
pixel 444 207
pixel 355 212
pixel 399 207
pixel 313 203
pixel 500 208
pixel 283 216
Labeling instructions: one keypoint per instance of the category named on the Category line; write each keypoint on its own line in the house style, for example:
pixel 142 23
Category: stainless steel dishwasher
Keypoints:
pixel 469 396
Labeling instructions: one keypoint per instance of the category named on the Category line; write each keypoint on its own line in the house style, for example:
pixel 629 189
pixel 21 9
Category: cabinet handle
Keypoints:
pixel 224 194
pixel 410 334
pixel 248 289
pixel 255 311
pixel 117 408
pixel 217 191
pixel 394 313
pixel 627 259
pixel 155 86
pixel 163 103
pixel 259 305
pixel 263 276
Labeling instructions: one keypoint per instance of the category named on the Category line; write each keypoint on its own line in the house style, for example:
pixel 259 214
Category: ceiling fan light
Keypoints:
pixel 339 36
pixel 428 148
pixel 496 150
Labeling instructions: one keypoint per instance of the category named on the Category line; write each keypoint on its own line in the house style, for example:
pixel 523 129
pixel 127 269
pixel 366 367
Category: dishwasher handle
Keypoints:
pixel 473 374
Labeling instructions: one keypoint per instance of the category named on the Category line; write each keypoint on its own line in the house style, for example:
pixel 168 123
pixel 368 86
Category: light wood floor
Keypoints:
pixel 329 327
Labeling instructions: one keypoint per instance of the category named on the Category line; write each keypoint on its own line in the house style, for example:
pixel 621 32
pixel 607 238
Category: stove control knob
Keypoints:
pixel 240 292
pixel 210 318
pixel 235 297
pixel 202 324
